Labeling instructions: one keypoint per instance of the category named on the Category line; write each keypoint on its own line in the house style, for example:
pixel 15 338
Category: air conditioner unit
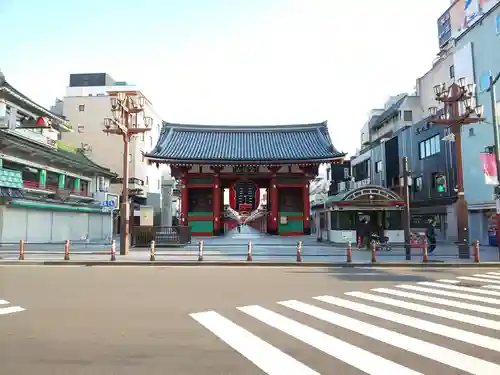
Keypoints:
pixel 100 184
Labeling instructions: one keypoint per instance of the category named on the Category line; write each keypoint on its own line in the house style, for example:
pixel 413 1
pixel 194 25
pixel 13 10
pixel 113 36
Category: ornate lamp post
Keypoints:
pixel 127 109
pixel 459 109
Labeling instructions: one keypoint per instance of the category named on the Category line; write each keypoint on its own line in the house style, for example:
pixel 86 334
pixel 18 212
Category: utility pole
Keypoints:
pixel 493 101
pixel 406 208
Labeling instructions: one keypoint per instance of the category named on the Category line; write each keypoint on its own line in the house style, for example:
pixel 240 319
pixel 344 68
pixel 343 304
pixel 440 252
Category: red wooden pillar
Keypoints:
pixel 184 197
pixel 216 192
pixel 307 208
pixel 274 217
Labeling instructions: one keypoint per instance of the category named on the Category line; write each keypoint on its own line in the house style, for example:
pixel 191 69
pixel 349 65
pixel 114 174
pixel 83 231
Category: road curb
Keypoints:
pixel 251 264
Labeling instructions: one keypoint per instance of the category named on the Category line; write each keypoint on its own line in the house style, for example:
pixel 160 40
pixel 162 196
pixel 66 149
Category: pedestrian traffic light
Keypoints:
pixel 441 184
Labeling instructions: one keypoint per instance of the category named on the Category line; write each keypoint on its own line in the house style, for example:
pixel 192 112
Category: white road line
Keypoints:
pixel 3 302
pixel 421 324
pixel 10 310
pixel 461 288
pixel 265 356
pixel 469 297
pixel 494 273
pixel 468 278
pixel 440 301
pixel 425 349
pixel 496 287
pixel 451 315
pixel 361 359
pixel 488 277
pixel 448 281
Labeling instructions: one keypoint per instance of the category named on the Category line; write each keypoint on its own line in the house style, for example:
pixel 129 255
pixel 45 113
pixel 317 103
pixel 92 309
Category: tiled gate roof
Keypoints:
pixel 284 143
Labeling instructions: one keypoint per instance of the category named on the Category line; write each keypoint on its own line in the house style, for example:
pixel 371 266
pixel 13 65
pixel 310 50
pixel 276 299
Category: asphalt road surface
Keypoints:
pixel 248 321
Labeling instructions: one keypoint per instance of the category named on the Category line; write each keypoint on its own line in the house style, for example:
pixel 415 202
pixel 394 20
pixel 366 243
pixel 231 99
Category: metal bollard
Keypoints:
pixel 200 251
pixel 299 251
pixel 477 258
pixel 374 252
pixel 113 250
pixel 425 253
pixel 249 251
pixel 152 251
pixel 349 252
pixel 21 250
pixel 66 250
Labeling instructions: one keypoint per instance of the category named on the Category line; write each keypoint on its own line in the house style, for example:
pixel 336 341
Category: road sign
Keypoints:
pixel 110 204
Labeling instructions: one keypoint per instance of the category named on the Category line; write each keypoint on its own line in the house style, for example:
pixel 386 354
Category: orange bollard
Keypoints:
pixel 113 250
pixel 249 251
pixel 21 250
pixel 476 252
pixel 66 250
pixel 349 252
pixel 299 251
pixel 425 254
pixel 374 252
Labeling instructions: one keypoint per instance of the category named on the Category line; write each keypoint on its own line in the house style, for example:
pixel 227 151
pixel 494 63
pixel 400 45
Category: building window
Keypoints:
pixel 346 173
pixel 429 147
pixel 81 129
pixel 417 184
pixel 81 108
pixel 452 71
pixel 150 141
pixel 497 24
pixel 471 132
pixel 378 166
pixel 407 116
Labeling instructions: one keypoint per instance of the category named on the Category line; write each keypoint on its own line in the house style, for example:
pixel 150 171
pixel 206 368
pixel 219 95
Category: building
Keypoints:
pixel 368 165
pixel 476 57
pixel 49 191
pixel 85 105
pixel 245 159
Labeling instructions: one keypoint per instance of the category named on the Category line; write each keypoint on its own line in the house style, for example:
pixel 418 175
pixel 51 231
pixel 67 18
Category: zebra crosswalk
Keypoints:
pixel 5 309
pixel 443 326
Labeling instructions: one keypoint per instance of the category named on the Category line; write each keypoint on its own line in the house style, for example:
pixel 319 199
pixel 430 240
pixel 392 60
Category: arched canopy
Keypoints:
pixel 372 193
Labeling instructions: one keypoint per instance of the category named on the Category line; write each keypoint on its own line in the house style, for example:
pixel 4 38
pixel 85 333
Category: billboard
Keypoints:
pixel 462 15
pixel 489 169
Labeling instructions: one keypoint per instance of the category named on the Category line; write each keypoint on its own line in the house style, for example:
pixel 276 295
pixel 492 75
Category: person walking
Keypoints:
pixel 431 235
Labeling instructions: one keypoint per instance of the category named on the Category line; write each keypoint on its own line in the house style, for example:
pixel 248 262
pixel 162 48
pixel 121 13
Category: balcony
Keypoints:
pixel 81 193
pixel 36 186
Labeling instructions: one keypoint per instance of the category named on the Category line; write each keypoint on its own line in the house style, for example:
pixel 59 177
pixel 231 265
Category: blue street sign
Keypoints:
pixel 108 204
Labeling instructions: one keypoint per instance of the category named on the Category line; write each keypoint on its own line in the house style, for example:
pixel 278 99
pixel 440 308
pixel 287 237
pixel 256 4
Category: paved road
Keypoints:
pixel 248 321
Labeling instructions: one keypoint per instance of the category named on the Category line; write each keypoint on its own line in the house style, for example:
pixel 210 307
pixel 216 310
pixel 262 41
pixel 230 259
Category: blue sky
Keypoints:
pixel 229 62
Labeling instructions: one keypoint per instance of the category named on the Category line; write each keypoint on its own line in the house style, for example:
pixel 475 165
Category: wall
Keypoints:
pixel 35 225
pixel 439 73
pixel 486 55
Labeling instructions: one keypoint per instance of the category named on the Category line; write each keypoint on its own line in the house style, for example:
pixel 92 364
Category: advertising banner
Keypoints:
pixel 460 16
pixel 489 169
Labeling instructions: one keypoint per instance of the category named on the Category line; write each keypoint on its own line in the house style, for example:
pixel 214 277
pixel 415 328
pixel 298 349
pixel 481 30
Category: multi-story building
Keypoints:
pixel 400 130
pixel 368 165
pixel 473 32
pixel 85 105
pixel 49 191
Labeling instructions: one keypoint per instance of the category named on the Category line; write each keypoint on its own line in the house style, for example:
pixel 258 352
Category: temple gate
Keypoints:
pixel 245 159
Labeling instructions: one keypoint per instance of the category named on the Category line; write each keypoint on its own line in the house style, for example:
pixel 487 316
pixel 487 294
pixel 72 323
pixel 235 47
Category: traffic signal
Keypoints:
pixel 441 184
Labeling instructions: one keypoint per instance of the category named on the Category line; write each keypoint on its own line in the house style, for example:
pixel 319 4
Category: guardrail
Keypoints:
pixel 248 252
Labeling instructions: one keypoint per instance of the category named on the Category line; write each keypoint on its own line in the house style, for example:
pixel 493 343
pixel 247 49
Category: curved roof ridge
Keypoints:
pixel 245 128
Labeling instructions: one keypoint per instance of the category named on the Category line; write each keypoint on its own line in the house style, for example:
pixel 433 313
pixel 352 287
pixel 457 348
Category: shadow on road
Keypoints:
pixel 369 275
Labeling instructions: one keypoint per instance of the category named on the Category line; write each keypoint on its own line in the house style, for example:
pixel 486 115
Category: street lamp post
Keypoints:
pixel 127 109
pixel 459 109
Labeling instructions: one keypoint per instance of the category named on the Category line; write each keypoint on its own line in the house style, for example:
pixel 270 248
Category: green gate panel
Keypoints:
pixel 204 226
pixel 293 226
pixel 200 180
pixel 198 214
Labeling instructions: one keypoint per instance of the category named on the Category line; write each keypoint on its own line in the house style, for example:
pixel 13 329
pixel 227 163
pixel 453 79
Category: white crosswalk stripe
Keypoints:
pixel 453 319
pixel 9 309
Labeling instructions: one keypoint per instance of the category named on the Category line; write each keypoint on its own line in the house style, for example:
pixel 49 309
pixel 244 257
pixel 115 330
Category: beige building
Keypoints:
pixel 86 107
